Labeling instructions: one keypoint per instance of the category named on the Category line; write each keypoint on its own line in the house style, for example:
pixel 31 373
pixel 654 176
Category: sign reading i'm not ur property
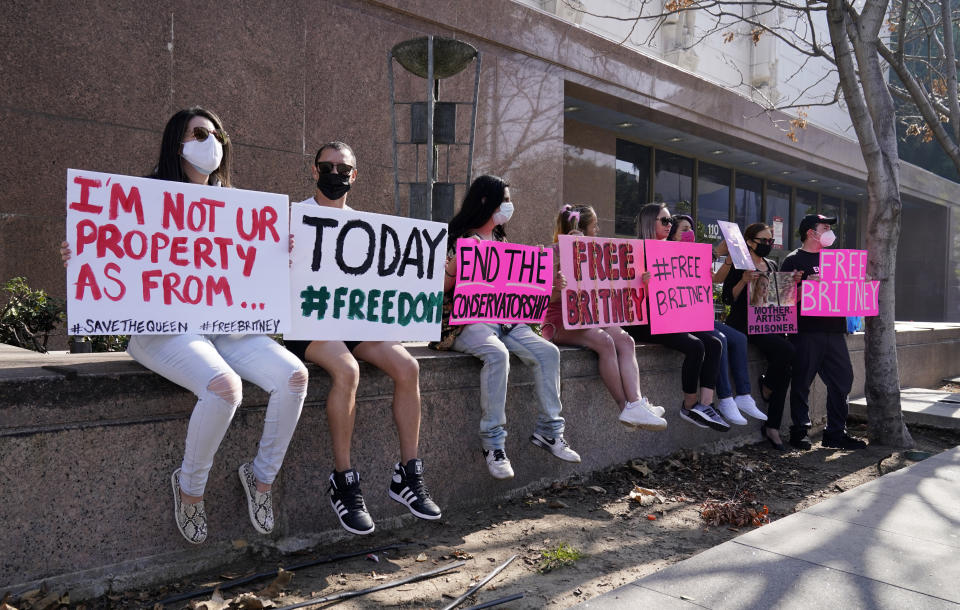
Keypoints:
pixel 357 276
pixel 160 257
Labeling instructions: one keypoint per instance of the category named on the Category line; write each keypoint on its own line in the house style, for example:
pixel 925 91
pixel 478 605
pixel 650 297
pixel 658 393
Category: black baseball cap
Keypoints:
pixel 810 221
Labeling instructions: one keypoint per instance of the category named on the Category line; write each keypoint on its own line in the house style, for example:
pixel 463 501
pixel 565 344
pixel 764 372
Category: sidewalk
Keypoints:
pixel 892 543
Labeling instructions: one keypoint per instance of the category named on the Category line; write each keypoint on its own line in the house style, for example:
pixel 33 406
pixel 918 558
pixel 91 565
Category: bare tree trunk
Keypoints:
pixel 872 114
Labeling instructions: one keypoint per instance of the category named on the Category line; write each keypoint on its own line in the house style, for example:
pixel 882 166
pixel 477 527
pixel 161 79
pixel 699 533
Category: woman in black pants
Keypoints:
pixel 776 348
pixel 701 355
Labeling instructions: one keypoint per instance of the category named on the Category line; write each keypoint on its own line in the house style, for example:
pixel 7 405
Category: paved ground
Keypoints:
pixel 891 543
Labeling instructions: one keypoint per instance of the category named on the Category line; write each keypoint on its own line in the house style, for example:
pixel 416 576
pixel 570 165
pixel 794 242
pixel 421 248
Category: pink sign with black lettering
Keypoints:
pixel 681 288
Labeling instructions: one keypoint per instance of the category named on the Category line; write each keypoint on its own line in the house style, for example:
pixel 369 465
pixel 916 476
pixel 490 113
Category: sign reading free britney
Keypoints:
pixel 159 257
pixel 843 289
pixel 501 282
pixel 681 288
pixel 604 285
pixel 358 276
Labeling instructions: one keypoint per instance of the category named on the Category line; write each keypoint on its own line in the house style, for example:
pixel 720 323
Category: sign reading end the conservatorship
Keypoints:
pixel 358 276
pixel 160 257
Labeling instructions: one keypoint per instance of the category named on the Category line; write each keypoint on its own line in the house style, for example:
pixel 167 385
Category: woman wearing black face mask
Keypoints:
pixel 777 349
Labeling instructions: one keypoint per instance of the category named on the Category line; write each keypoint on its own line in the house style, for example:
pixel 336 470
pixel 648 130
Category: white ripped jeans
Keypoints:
pixel 211 366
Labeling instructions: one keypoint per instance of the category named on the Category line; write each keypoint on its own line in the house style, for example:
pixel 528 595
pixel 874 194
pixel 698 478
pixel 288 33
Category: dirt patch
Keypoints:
pixel 621 538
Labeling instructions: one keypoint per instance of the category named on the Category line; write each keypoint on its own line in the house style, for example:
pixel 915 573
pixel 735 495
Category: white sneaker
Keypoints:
pixel 191 518
pixel 747 405
pixel 638 415
pixel 656 410
pixel 728 409
pixel 556 446
pixel 498 464
pixel 259 504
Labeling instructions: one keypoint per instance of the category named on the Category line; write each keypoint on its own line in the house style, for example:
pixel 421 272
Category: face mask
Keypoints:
pixel 333 185
pixel 688 236
pixel 827 238
pixel 205 157
pixel 503 213
pixel 763 250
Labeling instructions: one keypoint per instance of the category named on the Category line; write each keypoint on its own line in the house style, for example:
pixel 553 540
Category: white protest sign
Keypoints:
pixel 737 245
pixel 160 257
pixel 358 276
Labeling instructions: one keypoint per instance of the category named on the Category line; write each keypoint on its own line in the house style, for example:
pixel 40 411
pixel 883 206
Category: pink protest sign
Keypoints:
pixel 772 304
pixel 843 289
pixel 604 286
pixel 501 282
pixel 681 292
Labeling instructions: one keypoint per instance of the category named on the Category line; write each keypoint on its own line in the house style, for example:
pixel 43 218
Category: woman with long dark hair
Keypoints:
pixel 701 354
pixel 195 148
pixel 485 209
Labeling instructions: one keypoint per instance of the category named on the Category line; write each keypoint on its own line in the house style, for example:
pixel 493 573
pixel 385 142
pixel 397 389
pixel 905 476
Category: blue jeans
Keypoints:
pixel 732 360
pixel 493 346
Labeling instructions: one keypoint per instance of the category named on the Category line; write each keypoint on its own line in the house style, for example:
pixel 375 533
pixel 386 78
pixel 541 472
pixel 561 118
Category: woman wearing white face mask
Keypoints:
pixel 195 149
pixel 485 209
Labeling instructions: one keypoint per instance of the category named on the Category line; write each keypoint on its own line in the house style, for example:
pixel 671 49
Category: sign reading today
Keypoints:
pixel 160 257
pixel 357 276
pixel 501 282
pixel 843 289
pixel 681 289
pixel 604 286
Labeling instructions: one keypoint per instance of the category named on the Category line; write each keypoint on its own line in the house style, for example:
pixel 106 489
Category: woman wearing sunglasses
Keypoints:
pixel 701 354
pixel 194 148
pixel 776 348
pixel 734 342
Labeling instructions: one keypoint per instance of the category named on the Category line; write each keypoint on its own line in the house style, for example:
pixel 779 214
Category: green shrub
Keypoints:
pixel 28 316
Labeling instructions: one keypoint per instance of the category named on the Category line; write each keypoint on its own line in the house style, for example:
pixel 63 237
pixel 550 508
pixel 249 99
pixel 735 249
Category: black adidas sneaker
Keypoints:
pixel 347 502
pixel 407 488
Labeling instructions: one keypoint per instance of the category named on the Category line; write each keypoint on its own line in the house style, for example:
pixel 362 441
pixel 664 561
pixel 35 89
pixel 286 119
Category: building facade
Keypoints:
pixel 565 114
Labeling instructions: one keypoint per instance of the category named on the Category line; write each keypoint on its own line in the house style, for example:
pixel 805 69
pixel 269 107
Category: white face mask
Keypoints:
pixel 503 213
pixel 827 238
pixel 205 157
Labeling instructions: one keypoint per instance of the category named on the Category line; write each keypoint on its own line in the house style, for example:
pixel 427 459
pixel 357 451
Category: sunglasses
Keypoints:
pixel 325 167
pixel 764 240
pixel 201 133
pixel 667 221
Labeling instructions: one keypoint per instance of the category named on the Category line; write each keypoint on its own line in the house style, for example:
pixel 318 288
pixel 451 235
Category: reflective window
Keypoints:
pixel 849 225
pixel 747 200
pixel 830 207
pixel 778 216
pixel 806 203
pixel 633 184
pixel 674 179
pixel 713 201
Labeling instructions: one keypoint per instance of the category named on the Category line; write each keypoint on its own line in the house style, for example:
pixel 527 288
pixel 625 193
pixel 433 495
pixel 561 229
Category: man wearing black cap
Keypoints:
pixel 821 346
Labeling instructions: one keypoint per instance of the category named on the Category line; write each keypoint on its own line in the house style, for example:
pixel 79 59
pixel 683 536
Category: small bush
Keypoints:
pixel 28 316
pixel 563 555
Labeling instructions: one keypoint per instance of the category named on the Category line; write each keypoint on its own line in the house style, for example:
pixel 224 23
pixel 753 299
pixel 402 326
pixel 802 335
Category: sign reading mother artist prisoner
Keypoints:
pixel 772 304
pixel 604 285
pixel 681 289
pixel 357 276
pixel 501 282
pixel 843 289
pixel 159 257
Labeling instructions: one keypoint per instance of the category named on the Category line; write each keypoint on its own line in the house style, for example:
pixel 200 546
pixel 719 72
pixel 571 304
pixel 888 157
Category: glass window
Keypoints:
pixel 778 215
pixel 830 207
pixel 713 201
pixel 849 225
pixel 674 179
pixel 633 183
pixel 806 203
pixel 748 197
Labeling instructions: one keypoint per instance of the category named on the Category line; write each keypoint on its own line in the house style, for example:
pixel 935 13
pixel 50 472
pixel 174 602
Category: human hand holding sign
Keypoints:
pixel 65 252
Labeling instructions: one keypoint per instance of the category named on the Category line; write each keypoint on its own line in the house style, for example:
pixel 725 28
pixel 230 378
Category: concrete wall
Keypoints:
pixel 87 450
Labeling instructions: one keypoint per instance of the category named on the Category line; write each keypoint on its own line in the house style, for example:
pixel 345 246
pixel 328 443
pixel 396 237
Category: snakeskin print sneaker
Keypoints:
pixel 259 504
pixel 191 518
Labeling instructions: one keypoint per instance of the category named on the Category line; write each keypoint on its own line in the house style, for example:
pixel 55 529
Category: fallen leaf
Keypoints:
pixel 277 586
pixel 460 554
pixel 52 600
pixel 558 504
pixel 644 496
pixel 597 489
pixel 248 601
pixel 214 603
pixel 640 467
pixel 421 557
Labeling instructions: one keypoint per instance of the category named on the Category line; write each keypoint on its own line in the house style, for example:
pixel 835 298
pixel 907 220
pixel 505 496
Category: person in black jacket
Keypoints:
pixel 775 347
pixel 821 347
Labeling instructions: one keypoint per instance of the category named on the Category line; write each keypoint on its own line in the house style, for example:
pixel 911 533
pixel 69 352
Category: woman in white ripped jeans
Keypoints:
pixel 196 149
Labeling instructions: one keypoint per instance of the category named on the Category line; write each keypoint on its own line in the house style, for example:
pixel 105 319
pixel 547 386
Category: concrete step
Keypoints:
pixel 924 407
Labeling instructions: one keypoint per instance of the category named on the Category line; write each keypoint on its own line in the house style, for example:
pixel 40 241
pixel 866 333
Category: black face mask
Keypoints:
pixel 333 185
pixel 763 250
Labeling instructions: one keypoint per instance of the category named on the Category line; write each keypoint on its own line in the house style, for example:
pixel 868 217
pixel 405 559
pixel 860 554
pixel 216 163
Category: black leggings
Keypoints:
pixel 701 355
pixel 779 353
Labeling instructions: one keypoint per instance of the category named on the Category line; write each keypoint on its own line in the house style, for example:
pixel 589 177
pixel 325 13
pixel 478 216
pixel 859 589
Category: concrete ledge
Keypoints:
pixel 920 406
pixel 88 443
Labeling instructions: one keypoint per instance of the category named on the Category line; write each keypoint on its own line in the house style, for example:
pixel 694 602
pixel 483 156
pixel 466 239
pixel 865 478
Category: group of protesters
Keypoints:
pixel 195 148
